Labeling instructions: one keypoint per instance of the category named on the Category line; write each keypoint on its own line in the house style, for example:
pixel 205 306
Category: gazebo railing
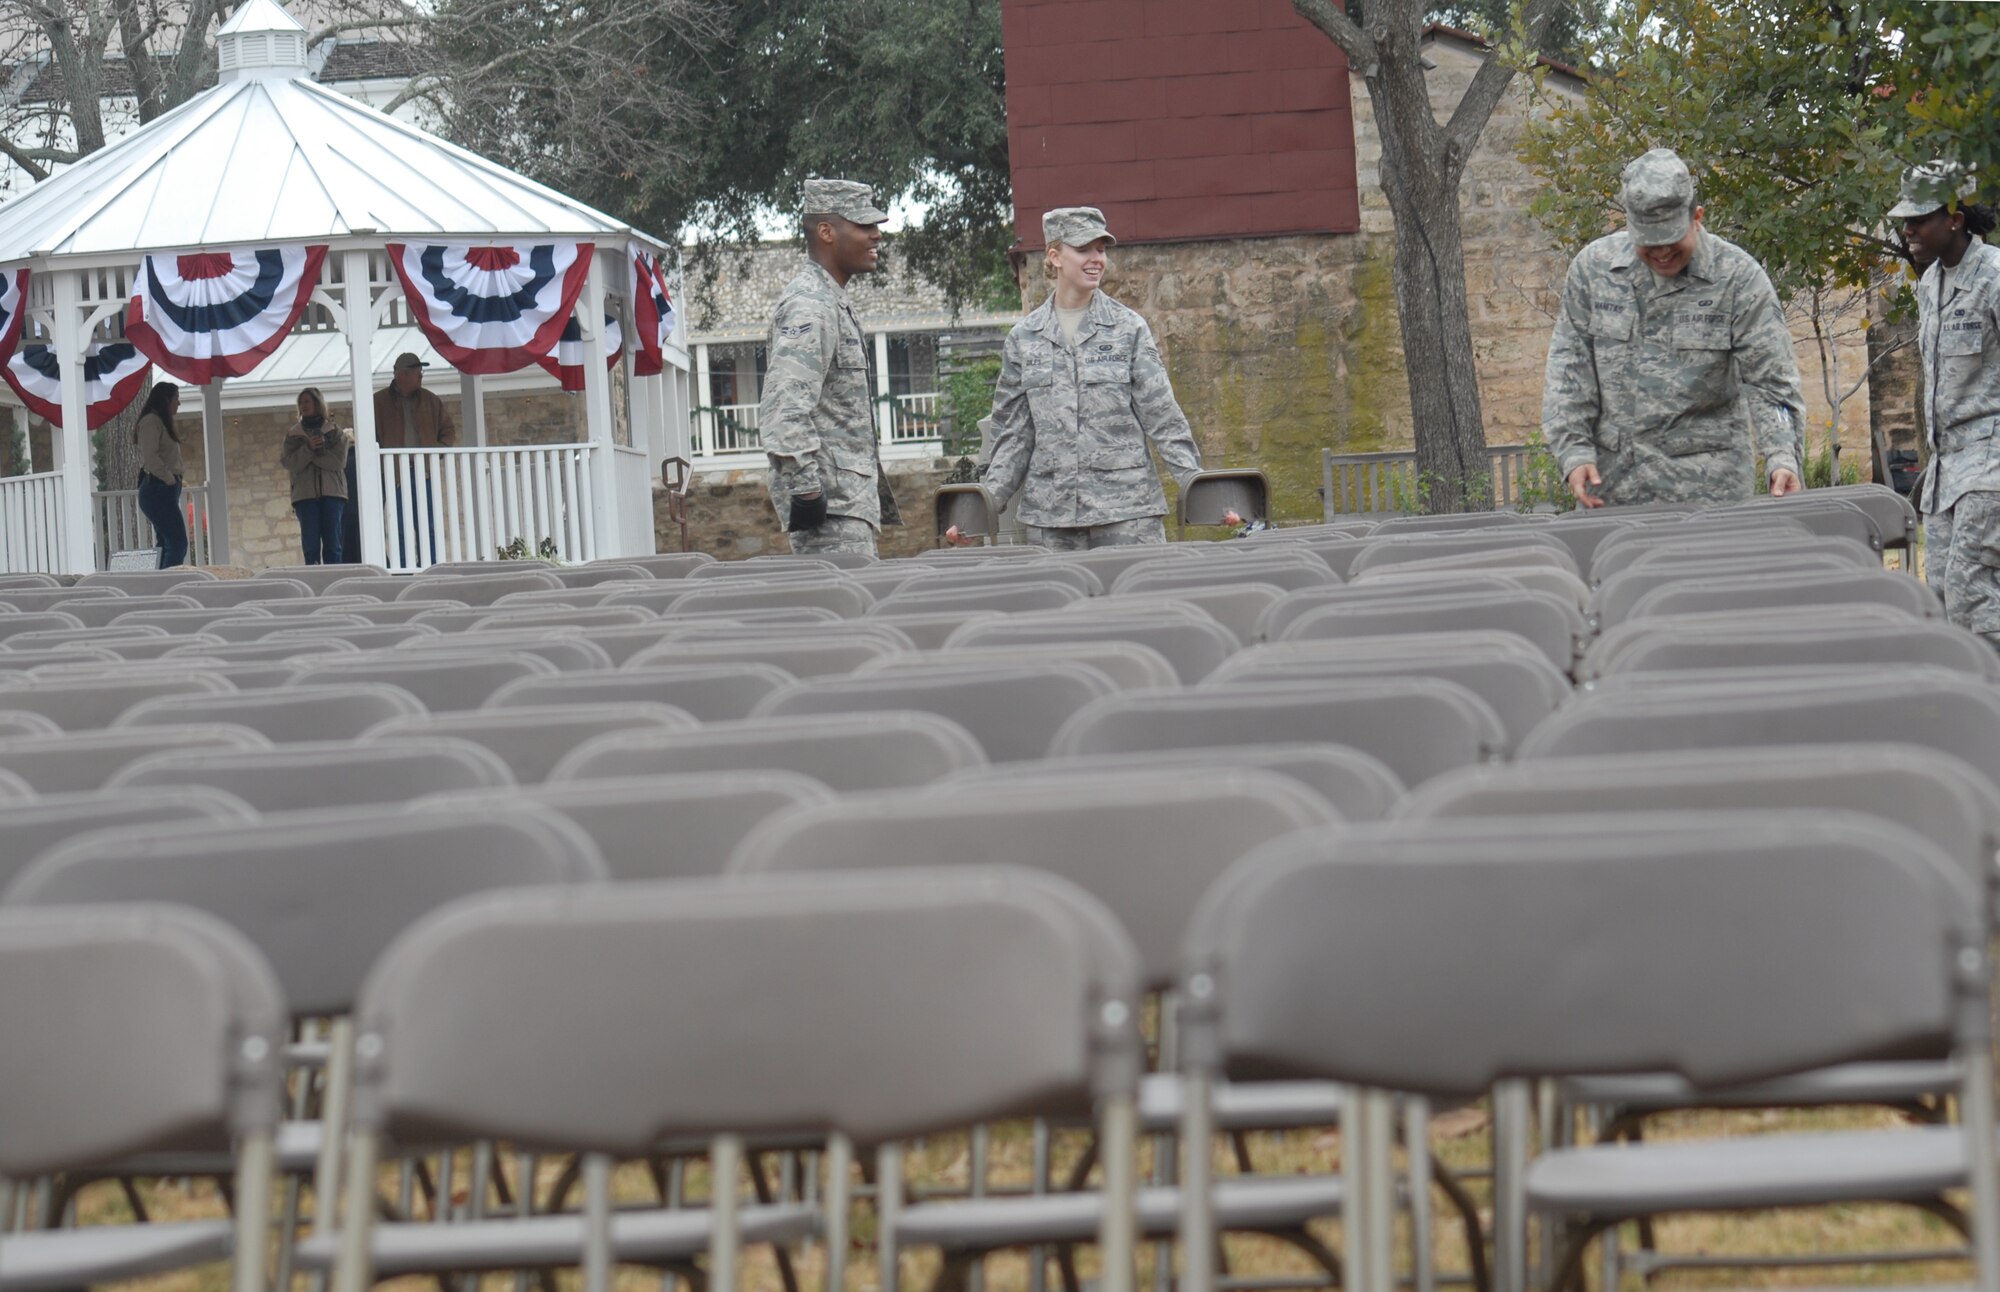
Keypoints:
pixel 31 524
pixel 121 526
pixel 471 504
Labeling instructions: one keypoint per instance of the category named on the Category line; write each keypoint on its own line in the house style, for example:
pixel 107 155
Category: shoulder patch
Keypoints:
pixel 796 330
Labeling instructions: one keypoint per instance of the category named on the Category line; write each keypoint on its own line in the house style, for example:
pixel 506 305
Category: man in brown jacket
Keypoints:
pixel 407 416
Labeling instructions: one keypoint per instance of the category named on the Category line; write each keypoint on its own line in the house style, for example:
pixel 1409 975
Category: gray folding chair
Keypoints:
pixel 600 572
pixel 1007 574
pixel 1419 727
pixel 1582 534
pixel 397 612
pixel 442 682
pixel 656 598
pixel 81 762
pixel 929 631
pixel 477 589
pixel 1680 642
pixel 1821 511
pixel 845 752
pixel 1756 591
pixel 320 577
pixel 563 649
pixel 1013 711
pixel 1769 553
pixel 1359 786
pixel 46 598
pixel 143 583
pixel 30 829
pixel 707 692
pixel 97 612
pixel 1568 918
pixel 286 715
pixel 1107 563
pixel 845 598
pixel 577 598
pixel 1008 598
pixel 36 621
pixel 703 628
pixel 1614 599
pixel 21 662
pixel 1423 547
pixel 86 705
pixel 256 627
pixel 669 565
pixel 28 582
pixel 302 777
pixel 358 632
pixel 1749 533
pixel 1236 606
pixel 666 826
pixel 1419 576
pixel 1129 666
pixel 222 593
pixel 1192 642
pixel 146 649
pixel 531 741
pixel 518 617
pixel 51 638
pixel 131 1029
pixel 758 567
pixel 1522 688
pixel 983 994
pixel 265 651
pixel 1476 520
pixel 801 655
pixel 1554 625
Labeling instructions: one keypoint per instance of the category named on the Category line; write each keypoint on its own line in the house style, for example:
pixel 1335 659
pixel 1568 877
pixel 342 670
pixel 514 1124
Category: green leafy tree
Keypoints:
pixel 1948 66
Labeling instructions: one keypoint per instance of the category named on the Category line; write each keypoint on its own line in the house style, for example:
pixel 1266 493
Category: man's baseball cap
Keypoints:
pixel 409 360
pixel 851 201
pixel 1074 226
pixel 1931 187
pixel 1658 197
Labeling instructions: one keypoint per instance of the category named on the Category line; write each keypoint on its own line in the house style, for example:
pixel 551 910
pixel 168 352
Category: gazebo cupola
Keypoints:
pixel 260 42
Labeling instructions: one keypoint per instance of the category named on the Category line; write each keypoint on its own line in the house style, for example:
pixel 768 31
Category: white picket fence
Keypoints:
pixel 121 526
pixel 31 525
pixel 467 504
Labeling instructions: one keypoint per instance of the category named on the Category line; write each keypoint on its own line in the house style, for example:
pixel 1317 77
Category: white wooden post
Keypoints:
pixel 597 413
pixel 698 398
pixel 25 428
pixel 359 300
pixel 472 407
pixel 885 412
pixel 79 529
pixel 219 552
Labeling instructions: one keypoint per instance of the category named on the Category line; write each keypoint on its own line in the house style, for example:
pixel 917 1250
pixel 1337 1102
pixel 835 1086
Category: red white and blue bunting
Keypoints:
pixel 566 364
pixel 13 311
pixel 652 313
pixel 113 374
pixel 492 308
pixel 214 314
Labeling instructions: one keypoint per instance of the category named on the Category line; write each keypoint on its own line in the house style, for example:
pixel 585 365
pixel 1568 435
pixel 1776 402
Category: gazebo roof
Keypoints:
pixel 271 156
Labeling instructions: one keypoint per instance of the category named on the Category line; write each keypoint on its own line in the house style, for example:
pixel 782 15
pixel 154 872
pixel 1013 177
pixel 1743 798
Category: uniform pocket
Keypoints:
pixel 1686 441
pixel 1107 372
pixel 1122 458
pixel 1975 523
pixel 1611 325
pixel 1959 338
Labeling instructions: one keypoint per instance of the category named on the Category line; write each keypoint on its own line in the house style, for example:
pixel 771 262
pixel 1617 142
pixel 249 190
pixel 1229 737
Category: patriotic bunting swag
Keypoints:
pixel 652 313
pixel 214 314
pixel 113 373
pixel 492 309
pixel 13 309
pixel 566 364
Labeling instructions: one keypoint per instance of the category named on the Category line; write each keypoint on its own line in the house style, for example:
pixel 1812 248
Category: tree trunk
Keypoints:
pixel 1894 379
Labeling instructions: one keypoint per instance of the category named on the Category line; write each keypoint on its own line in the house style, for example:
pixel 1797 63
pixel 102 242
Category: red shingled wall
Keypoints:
pixel 1182 119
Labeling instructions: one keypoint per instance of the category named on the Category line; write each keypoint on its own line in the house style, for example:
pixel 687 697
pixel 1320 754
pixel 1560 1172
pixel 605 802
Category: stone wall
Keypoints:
pixel 738 301
pixel 730 514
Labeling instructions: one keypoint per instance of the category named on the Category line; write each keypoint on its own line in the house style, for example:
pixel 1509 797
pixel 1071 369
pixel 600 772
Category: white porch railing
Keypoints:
pixel 915 418
pixel 632 476
pixel 468 504
pixel 726 428
pixel 31 526
pixel 121 526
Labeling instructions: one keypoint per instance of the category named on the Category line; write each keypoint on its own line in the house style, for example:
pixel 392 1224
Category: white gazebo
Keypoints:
pixel 269 157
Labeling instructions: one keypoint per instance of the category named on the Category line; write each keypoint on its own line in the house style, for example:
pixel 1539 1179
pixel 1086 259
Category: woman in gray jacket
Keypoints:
pixel 160 472
pixel 315 453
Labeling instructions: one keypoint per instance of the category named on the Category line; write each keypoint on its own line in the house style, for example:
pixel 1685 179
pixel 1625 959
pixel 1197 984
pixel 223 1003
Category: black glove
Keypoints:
pixel 807 513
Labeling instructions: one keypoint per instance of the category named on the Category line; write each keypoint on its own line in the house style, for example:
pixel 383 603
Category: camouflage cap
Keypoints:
pixel 842 197
pixel 1931 186
pixel 1074 226
pixel 1658 197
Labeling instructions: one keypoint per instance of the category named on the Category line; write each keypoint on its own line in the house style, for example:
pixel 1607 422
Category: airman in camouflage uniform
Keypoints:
pixel 817 413
pixel 1072 414
pixel 1671 367
pixel 1958 336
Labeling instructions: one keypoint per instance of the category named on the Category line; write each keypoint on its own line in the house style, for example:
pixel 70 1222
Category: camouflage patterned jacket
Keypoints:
pixel 1073 423
pixel 1672 388
pixel 1959 337
pixel 817 415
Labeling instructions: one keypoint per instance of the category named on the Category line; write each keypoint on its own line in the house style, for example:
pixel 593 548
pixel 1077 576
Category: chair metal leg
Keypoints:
pixel 1198 1237
pixel 255 1161
pixel 725 1235
pixel 1038 1257
pixel 353 1269
pixel 888 1212
pixel 1511 1105
pixel 839 1159
pixel 1976 1115
pixel 1118 1229
pixel 1423 1224
pixel 975 1274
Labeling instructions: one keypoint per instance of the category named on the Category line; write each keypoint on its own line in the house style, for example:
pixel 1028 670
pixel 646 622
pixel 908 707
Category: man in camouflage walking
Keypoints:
pixel 1671 368
pixel 817 412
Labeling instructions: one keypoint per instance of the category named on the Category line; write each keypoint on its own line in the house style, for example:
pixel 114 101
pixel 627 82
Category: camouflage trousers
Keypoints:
pixel 1962 559
pixel 835 534
pixel 1119 533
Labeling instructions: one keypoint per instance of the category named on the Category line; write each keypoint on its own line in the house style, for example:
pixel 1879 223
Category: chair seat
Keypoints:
pixel 72 1258
pixel 535 1242
pixel 981 1224
pixel 1846 1083
pixel 1753 1171
pixel 1245 1106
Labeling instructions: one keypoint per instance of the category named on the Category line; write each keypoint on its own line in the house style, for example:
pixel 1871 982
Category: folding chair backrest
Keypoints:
pixel 1607 646
pixel 97 702
pixel 1476 520
pixel 531 741
pixel 799 654
pixel 44 598
pixel 360 634
pixel 705 629
pixel 1000 552
pixel 131 1030
pixel 22 662
pixel 1193 645
pixel 1521 689
pixel 1419 727
pixel 845 752
pixel 1949 712
pixel 442 683
pixel 707 692
pixel 1582 534
pixel 95 613
pixel 51 638
pixel 757 567
pixel 521 617
pixel 1507 940
pixel 30 830
pixel 1613 601
pixel 1357 785
pixel 321 894
pixel 147 649
pixel 562 648
pixel 596 573
pixel 1894 518
pixel 234 592
pixel 142 583
pixel 290 715
pixel 1147 843
pixel 1129 666
pixel 1765 554
pixel 1009 598
pixel 1537 557
pixel 28 582
pixel 1665 645
pixel 1421 576
pixel 578 598
pixel 1419 547
pixel 1107 563
pixel 264 651
pixel 930 630
pixel 1823 514
pixel 1006 574
pixel 81 762
pixel 981 994
pixel 1382 588
pixel 320 577
pixel 22 622
pixel 302 777
pixel 1555 626
pixel 1236 606
pixel 258 626
pixel 1810 588
pixel 670 565
pixel 1748 532
pixel 396 612
pixel 1282 568
pixel 477 589
pixel 845 598
pixel 675 826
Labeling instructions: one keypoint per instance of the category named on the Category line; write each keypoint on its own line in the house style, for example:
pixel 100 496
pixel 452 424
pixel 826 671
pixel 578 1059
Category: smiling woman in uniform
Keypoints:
pixel 1082 389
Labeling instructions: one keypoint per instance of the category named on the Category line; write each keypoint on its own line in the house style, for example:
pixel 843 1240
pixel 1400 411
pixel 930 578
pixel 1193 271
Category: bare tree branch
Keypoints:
pixel 26 161
pixel 1469 119
pixel 1341 30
